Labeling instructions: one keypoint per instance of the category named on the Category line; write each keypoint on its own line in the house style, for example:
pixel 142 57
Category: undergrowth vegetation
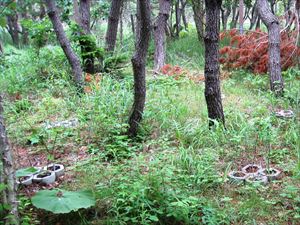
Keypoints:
pixel 175 172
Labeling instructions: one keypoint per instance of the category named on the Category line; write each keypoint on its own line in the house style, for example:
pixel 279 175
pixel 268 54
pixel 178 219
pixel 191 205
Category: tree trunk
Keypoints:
pixel 257 23
pixel 139 66
pixel 212 66
pixel 241 16
pixel 85 15
pixel 234 15
pixel 13 28
pixel 112 26
pixel 132 23
pixel 184 20
pixel 198 8
pixel 121 24
pixel 24 15
pixel 178 18
pixel 225 15
pixel 42 11
pixel 160 34
pixel 254 16
pixel 273 3
pixel 9 178
pixel 297 7
pixel 65 43
pixel 272 23
pixel 76 15
pixel 86 46
pixel 1 48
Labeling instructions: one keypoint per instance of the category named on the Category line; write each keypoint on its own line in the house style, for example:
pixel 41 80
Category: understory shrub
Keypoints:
pixel 250 50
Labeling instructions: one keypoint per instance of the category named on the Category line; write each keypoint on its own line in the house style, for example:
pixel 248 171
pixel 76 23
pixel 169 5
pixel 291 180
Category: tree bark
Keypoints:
pixel 198 9
pixel 139 66
pixel 257 23
pixel 9 178
pixel 160 26
pixel 178 17
pixel 42 13
pixel 85 43
pixel 132 23
pixel 225 15
pixel 121 24
pixel 212 66
pixel 1 48
pixel 234 14
pixel 85 15
pixel 297 7
pixel 254 16
pixel 13 28
pixel 272 23
pixel 184 20
pixel 65 43
pixel 112 26
pixel 241 16
pixel 76 15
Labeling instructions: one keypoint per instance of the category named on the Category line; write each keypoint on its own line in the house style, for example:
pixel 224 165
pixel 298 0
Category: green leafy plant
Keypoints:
pixel 61 201
pixel 39 31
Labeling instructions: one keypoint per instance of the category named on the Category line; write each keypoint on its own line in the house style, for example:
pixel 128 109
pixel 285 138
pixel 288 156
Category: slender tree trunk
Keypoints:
pixel 184 20
pixel 85 43
pixel 257 23
pixel 121 24
pixel 160 26
pixel 42 11
pixel 198 8
pixel 272 6
pixel 85 15
pixel 241 16
pixel 178 17
pixel 254 16
pixel 139 66
pixel 138 24
pixel 25 38
pixel 76 15
pixel 13 28
pixel 297 7
pixel 9 178
pixel 234 14
pixel 112 26
pixel 225 15
pixel 272 23
pixel 132 23
pixel 170 26
pixel 1 48
pixel 212 66
pixel 65 43
pixel 24 15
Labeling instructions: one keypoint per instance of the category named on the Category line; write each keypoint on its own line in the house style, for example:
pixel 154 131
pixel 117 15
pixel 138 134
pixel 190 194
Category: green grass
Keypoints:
pixel 175 172
pixel 186 51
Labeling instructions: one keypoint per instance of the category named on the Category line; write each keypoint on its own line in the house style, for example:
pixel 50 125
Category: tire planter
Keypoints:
pixel 44 177
pixel 252 169
pixel 271 173
pixel 285 114
pixel 58 169
pixel 237 176
pixel 257 179
pixel 27 180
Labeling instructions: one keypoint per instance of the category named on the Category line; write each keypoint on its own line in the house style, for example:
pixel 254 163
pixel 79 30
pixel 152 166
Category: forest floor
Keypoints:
pixel 175 172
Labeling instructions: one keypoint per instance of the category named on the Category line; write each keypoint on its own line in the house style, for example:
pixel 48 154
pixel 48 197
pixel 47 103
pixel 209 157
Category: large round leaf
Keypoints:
pixel 61 201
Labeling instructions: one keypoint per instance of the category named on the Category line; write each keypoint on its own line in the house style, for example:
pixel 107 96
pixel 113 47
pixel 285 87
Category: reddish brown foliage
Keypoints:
pixel 92 82
pixel 250 51
pixel 177 73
